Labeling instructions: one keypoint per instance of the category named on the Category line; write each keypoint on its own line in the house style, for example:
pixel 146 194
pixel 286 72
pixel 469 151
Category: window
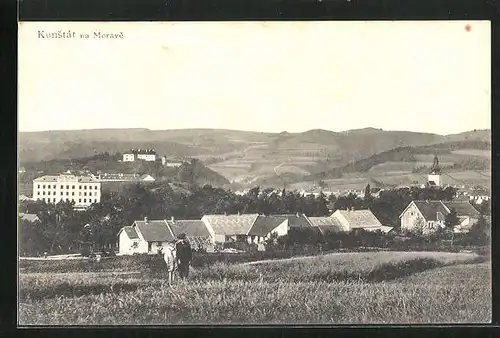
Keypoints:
pixel 53 200
pixel 48 192
pixel 39 193
pixel 73 193
pixel 67 187
pixel 84 200
pixel 62 193
pixel 96 200
pixel 95 187
pixel 44 186
pixel 43 193
pixel 79 200
pixel 54 186
pixel 72 187
pixel 62 186
pixel 84 194
pixel 85 187
pixel 39 186
pixel 67 193
pixel 411 213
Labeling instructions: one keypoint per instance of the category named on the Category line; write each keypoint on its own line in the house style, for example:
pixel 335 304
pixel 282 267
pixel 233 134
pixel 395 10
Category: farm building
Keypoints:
pixel 327 224
pixel 297 220
pixel 144 237
pixel 432 214
pixel 150 236
pixel 196 233
pixel 249 228
pixel 359 219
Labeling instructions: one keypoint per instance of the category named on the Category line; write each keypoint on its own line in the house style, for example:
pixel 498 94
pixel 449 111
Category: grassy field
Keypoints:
pixel 382 287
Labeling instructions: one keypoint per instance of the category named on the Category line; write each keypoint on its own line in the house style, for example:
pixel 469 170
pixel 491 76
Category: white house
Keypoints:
pixel 431 215
pixel 83 190
pixel 144 237
pixel 151 236
pixel 139 154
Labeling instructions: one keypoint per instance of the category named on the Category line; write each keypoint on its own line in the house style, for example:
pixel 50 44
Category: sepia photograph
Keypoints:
pixel 254 173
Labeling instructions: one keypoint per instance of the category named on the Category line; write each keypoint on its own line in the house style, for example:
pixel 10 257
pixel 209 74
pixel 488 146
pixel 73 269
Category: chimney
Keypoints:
pixel 145 220
pixel 225 213
pixel 239 213
pixel 298 215
pixel 352 208
pixel 172 219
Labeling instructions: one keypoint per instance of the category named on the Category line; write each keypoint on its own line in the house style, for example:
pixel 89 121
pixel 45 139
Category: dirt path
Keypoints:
pixel 291 258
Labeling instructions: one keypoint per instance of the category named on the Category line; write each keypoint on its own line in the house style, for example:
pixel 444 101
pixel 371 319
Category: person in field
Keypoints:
pixel 170 259
pixel 184 255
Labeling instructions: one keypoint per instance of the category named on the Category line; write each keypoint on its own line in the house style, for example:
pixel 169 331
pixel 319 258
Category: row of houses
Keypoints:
pixel 149 236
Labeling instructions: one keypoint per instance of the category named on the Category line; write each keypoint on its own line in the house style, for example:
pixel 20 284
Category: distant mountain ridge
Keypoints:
pixel 242 156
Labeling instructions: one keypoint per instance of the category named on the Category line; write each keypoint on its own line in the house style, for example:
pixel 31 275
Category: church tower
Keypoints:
pixel 434 177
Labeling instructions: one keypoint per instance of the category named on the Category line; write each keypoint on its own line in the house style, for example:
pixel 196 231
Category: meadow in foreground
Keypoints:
pixel 336 289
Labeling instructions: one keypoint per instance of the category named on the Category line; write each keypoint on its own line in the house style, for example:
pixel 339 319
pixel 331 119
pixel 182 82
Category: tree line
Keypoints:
pixel 62 229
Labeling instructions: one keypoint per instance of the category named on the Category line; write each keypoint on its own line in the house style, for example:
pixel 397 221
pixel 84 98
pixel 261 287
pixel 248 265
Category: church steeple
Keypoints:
pixel 435 169
pixel 434 177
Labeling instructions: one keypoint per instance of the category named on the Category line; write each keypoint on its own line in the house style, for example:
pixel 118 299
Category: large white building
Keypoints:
pixel 83 190
pixel 141 154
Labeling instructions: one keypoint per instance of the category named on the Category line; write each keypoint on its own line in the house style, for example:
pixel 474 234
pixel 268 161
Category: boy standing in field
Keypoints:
pixel 170 259
pixel 184 255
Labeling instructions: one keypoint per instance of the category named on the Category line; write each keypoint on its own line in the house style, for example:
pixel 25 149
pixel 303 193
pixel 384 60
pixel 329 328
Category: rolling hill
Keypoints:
pixel 251 158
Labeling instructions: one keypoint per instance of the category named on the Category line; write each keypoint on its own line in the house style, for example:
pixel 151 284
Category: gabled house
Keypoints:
pixel 196 233
pixel 151 236
pixel 144 237
pixel 431 215
pixel 327 225
pixel 264 226
pixel 297 220
pixel 249 228
pixel 359 219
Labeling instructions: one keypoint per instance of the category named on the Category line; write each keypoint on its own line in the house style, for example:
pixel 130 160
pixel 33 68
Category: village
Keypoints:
pixel 225 232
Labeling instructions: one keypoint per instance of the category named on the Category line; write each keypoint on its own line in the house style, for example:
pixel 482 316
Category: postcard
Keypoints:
pixel 254 173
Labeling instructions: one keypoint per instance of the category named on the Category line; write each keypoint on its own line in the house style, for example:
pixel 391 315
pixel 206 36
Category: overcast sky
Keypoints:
pixel 259 76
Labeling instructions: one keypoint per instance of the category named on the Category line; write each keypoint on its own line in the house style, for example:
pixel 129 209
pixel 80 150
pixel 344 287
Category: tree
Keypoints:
pixel 450 222
pixel 418 226
pixel 368 192
pixel 480 231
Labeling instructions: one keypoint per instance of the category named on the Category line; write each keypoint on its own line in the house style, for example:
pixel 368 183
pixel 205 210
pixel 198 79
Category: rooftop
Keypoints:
pixel 28 217
pixel 231 224
pixel 154 231
pixel 295 220
pixel 263 225
pixel 359 218
pixel 326 224
pixel 66 178
pixel 191 228
pixel 429 209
